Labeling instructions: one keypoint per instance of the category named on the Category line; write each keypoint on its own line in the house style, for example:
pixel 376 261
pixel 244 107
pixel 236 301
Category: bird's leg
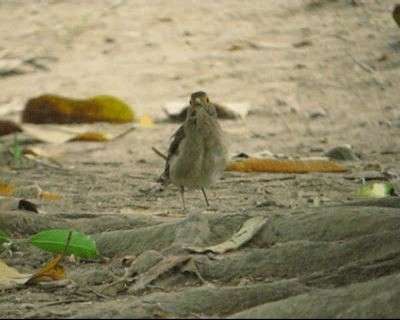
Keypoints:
pixel 183 197
pixel 205 196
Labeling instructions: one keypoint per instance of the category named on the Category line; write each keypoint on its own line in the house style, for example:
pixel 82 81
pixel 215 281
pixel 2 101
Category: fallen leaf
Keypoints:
pixel 91 136
pixel 248 230
pixel 376 190
pixel 55 241
pixel 58 135
pixel 49 133
pixel 10 277
pixel 45 154
pixel 50 272
pixel 162 267
pixel 6 189
pixel 146 122
pixel 7 127
pixel 56 109
pixel 284 166
pixel 50 196
pixel 26 192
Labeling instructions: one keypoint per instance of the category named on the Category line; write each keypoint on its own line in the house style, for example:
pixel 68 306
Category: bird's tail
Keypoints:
pixel 164 179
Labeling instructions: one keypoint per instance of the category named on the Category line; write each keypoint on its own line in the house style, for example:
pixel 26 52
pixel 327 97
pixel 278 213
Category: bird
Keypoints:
pixel 198 154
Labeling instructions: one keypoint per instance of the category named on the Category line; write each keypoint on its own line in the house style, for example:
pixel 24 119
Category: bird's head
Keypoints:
pixel 199 98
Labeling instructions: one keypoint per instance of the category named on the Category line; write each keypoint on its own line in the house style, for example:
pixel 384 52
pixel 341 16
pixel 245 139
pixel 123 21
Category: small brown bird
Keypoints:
pixel 197 156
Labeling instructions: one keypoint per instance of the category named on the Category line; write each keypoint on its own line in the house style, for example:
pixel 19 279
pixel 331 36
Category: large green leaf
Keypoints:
pixel 55 240
pixel 3 237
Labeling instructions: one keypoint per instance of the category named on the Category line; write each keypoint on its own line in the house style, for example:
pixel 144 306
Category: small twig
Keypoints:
pixel 103 296
pixel 197 273
pixel 362 65
pixel 65 302
pixel 124 133
pixel 159 153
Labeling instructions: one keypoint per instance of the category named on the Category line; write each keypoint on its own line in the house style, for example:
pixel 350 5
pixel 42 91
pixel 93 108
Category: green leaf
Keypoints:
pixel 375 190
pixel 3 237
pixel 55 240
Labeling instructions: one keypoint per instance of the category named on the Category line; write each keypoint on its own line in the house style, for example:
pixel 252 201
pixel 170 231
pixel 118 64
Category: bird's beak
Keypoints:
pixel 199 101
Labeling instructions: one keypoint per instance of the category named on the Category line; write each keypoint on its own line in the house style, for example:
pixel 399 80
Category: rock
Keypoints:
pixel 342 153
pixel 317 114
pixel 316 149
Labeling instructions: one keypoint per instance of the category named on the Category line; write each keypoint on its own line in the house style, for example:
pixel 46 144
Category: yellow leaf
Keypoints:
pixel 50 196
pixel 50 272
pixel 6 189
pixel 146 122
pixel 26 192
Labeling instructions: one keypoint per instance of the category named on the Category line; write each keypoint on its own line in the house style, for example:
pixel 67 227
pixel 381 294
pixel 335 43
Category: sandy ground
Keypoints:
pixel 317 74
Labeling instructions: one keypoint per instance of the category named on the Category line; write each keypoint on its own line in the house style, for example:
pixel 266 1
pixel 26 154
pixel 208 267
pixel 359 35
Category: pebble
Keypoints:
pixel 317 114
pixel 342 153
pixel 316 149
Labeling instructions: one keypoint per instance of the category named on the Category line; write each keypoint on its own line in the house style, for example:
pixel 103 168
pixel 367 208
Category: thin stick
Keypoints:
pixel 205 196
pixel 64 302
pixel 362 65
pixel 159 153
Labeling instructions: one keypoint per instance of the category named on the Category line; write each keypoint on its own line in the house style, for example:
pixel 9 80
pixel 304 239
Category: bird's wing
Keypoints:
pixel 178 136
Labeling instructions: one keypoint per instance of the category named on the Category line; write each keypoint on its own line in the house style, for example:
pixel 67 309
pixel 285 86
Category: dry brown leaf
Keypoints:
pixel 7 127
pixel 91 136
pixel 50 272
pixel 284 166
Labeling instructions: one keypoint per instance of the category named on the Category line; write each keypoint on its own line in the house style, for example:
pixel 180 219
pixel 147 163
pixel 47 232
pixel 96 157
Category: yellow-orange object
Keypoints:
pixel 284 166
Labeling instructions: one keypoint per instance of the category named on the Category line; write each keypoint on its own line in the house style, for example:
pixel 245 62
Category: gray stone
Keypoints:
pixel 342 153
